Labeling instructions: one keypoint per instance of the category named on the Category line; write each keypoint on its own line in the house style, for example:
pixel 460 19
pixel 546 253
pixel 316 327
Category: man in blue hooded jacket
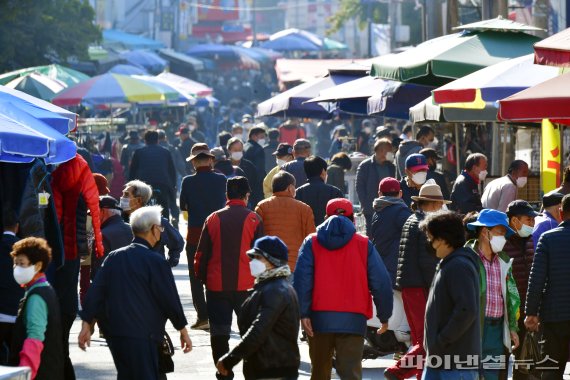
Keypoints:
pixel 337 271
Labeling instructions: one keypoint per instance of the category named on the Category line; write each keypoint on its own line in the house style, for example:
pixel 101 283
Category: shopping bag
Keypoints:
pixel 530 353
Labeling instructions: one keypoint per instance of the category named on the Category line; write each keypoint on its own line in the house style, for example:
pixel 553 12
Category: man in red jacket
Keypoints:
pixel 222 264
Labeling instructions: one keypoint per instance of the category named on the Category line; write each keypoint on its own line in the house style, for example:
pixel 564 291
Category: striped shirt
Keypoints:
pixel 495 303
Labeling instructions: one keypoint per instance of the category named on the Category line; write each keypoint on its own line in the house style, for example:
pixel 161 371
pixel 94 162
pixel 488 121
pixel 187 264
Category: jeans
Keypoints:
pixel 450 374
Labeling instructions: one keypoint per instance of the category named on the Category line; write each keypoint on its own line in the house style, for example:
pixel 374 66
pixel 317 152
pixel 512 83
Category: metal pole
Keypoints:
pixel 457 150
pixel 505 135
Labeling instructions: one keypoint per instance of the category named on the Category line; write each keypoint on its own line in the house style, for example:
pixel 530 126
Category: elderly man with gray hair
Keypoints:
pixel 132 296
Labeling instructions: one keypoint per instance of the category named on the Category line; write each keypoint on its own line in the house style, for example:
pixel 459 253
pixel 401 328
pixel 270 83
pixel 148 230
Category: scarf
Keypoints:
pixel 282 271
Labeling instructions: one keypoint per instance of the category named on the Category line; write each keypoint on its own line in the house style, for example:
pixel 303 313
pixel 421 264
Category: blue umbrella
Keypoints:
pixel 149 60
pixel 56 147
pixel 207 101
pixel 127 70
pixel 214 51
pixel 56 117
pixel 290 42
pixel 395 101
pixel 131 41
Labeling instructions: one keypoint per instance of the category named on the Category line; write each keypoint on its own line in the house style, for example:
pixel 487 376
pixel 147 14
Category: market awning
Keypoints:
pixel 302 70
pixel 179 58
pixel 427 111
pixel 130 41
pixel 185 84
pixel 554 50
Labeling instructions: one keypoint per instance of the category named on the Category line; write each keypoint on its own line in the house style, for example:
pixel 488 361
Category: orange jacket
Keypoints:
pixel 287 218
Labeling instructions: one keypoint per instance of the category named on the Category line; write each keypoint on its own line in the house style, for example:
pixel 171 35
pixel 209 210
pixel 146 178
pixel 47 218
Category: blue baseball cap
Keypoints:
pixel 416 162
pixel 491 218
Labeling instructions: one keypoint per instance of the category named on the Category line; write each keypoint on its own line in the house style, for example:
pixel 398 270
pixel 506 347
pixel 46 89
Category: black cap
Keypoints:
pixel 552 198
pixel 430 153
pixel 272 248
pixel 283 149
pixel 133 135
pixel 107 201
pixel 521 208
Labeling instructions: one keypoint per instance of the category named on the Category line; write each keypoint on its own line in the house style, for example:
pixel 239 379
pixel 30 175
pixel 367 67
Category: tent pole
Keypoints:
pixel 505 134
pixel 457 150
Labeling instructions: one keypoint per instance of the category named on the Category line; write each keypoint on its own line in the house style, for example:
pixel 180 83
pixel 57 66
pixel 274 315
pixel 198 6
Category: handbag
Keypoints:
pixel 530 354
pixel 165 353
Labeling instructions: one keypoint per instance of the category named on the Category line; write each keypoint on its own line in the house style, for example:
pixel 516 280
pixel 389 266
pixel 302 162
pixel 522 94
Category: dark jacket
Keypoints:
pixel 465 195
pixel 52 355
pixel 185 147
pixel 116 234
pixel 10 292
pixel 316 193
pixel 134 294
pixel 226 168
pixel 368 176
pixel 406 149
pixel 171 239
pixel 334 234
pixel 548 294
pixel 335 177
pixel 521 250
pixel 202 194
pixel 452 312
pixel 179 162
pixel 153 165
pixel 416 266
pixel 324 138
pixel 269 157
pixel 439 178
pixel 253 152
pixel 408 192
pixel 127 156
pixel 254 183
pixel 297 168
pixel 390 215
pixel 269 326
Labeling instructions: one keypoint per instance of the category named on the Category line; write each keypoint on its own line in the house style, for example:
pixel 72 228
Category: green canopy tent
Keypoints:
pixel 57 72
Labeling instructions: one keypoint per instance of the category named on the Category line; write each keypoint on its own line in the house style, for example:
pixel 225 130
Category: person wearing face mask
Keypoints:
pixel 465 194
pixel 269 318
pixel 432 157
pixel 235 154
pixel 137 194
pixel 520 248
pixel 237 131
pixel 338 275
pixel 195 132
pixel 253 151
pixel 369 174
pixel 452 328
pixel 316 193
pixel 500 300
pixel 36 341
pixel 550 217
pixel 424 137
pixel 340 164
pixel 222 265
pixel 282 155
pixel 500 192
pixel 301 150
pixel 132 297
pixel 416 175
pixel 270 147
pixel 284 216
pixel 416 268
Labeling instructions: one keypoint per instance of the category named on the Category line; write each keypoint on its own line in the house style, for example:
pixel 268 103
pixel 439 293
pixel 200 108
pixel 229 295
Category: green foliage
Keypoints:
pixel 355 9
pixel 38 32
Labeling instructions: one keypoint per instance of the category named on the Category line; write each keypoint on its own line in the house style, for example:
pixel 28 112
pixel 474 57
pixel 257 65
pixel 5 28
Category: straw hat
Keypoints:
pixel 430 192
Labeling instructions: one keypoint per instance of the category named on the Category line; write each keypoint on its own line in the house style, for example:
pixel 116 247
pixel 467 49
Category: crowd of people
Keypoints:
pixel 271 238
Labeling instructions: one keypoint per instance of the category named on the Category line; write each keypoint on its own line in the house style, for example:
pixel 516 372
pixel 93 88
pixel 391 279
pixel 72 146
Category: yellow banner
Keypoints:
pixel 550 156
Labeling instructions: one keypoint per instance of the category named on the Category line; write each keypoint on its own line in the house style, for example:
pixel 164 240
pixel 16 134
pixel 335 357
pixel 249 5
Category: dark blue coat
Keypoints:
pixel 316 193
pixel 465 195
pixel 548 292
pixel 333 234
pixel 202 194
pixel 134 294
pixel 10 292
pixel 390 215
pixel 297 168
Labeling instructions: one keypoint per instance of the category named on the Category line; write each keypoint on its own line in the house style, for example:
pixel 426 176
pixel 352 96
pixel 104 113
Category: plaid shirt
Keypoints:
pixel 495 303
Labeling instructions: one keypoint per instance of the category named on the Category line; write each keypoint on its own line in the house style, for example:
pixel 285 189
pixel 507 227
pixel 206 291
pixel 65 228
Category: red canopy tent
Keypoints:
pixel 554 50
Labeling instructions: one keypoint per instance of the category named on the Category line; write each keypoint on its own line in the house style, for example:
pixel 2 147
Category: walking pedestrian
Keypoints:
pixel 269 318
pixel 415 176
pixel 548 293
pixel 499 296
pixel 500 192
pixel 222 265
pixel 133 144
pixel 202 193
pixel 520 248
pixel 301 150
pixel 132 309
pixel 36 341
pixel 282 155
pixel 185 144
pixel 137 194
pixel 337 272
pixel 316 193
pixel 340 164
pixel 452 327
pixel 432 157
pixel 285 217
pixel 235 151
pixel 416 268
pixel 253 152
pixel 272 145
pixel 465 195
pixel 424 137
pixel 369 174
pixel 550 217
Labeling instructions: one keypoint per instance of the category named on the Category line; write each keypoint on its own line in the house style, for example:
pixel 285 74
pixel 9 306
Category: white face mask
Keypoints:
pixel 419 178
pixel 521 181
pixel 525 231
pixel 256 267
pixel 390 156
pixel 483 175
pixel 23 275
pixel 125 204
pixel 236 156
pixel 497 243
pixel 261 142
pixel 280 162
